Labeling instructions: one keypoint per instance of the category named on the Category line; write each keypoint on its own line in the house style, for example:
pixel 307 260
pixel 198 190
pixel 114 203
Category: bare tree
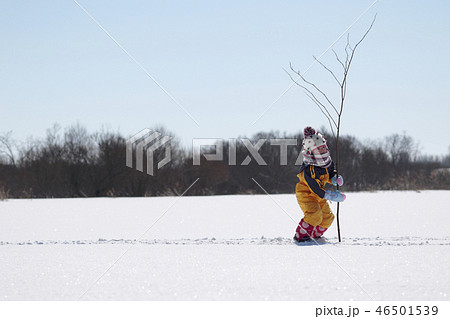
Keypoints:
pixel 402 149
pixel 7 146
pixel 331 110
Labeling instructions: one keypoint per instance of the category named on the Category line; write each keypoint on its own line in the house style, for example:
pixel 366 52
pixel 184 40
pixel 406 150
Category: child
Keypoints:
pixel 317 170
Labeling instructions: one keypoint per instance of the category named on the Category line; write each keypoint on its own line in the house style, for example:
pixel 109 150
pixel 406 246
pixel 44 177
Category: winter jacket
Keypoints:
pixel 313 180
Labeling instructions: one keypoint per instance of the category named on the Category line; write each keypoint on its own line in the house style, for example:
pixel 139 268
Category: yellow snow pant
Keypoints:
pixel 317 211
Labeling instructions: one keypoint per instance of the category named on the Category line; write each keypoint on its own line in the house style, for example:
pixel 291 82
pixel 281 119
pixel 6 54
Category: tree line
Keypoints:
pixel 72 162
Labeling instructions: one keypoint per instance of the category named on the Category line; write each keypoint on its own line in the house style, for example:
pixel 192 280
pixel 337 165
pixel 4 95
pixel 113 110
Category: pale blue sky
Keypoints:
pixel 223 62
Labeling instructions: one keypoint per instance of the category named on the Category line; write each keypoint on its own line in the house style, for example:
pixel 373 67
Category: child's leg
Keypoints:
pixel 327 215
pixel 304 231
pixel 313 212
pixel 313 217
pixel 327 219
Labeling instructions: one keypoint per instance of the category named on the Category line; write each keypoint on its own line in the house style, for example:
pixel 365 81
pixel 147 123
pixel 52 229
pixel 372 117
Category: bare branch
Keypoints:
pixel 339 60
pixel 347 46
pixel 322 108
pixel 344 91
pixel 311 95
pixel 349 60
pixel 315 87
pixel 367 32
pixel 329 118
pixel 331 72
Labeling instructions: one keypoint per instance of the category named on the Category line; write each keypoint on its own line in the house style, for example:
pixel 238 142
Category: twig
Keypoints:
pixel 331 72
pixel 321 106
pixel 314 86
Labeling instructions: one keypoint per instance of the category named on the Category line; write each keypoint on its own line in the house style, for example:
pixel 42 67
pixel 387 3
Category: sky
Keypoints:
pixel 216 69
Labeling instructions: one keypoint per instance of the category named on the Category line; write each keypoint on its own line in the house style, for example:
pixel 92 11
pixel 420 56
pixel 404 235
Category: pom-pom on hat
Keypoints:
pixel 308 131
pixel 312 139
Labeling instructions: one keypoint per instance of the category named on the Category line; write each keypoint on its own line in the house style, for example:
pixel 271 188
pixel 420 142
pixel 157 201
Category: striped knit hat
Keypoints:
pixel 315 150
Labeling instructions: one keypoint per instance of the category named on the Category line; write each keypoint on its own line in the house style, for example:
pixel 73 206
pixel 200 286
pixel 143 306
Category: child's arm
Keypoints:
pixel 314 184
pixel 331 172
pixel 317 187
pixel 334 179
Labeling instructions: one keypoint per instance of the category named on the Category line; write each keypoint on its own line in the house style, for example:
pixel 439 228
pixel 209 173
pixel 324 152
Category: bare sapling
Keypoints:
pixel 332 110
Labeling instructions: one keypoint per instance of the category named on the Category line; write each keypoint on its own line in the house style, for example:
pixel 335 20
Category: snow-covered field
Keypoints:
pixel 396 246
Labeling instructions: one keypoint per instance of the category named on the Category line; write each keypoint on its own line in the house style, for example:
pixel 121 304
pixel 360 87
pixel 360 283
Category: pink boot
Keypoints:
pixel 304 231
pixel 318 232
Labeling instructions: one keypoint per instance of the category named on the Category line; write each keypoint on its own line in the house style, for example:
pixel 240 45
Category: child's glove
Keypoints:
pixel 334 196
pixel 337 180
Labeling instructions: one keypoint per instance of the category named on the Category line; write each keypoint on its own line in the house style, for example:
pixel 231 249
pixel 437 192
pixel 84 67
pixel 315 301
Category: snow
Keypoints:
pixel 396 246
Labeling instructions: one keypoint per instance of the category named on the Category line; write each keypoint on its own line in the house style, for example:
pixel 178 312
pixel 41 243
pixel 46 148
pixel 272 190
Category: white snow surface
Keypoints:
pixel 395 246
